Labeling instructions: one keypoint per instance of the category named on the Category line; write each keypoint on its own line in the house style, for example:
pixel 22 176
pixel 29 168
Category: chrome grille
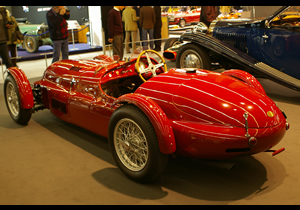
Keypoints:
pixel 238 41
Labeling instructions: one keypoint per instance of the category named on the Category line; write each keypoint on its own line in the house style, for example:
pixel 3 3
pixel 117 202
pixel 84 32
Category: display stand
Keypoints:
pixel 73 24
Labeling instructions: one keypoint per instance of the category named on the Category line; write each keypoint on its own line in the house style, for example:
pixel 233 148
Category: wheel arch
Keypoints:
pixel 157 117
pixel 25 91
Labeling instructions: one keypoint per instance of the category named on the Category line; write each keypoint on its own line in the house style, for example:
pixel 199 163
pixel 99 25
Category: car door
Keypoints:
pixel 280 48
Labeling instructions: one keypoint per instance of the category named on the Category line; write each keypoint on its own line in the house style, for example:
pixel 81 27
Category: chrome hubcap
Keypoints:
pixel 12 99
pixel 29 43
pixel 191 59
pixel 131 145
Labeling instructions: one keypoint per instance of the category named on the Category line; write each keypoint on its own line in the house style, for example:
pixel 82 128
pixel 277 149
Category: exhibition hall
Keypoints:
pixel 149 105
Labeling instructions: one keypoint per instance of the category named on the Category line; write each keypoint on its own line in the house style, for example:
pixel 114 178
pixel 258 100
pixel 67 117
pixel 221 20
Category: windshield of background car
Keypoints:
pixel 290 15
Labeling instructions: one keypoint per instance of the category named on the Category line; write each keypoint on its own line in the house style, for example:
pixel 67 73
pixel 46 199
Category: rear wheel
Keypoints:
pixel 134 145
pixel 13 102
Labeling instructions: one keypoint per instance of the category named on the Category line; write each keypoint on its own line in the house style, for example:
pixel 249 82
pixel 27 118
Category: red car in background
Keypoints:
pixel 184 18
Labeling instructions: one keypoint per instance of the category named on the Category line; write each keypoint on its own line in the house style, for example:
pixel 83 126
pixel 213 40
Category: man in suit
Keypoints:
pixel 147 21
pixel 115 30
pixel 131 27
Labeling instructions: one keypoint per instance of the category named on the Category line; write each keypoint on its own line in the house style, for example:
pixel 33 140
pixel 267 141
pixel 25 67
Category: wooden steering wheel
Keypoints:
pixel 151 67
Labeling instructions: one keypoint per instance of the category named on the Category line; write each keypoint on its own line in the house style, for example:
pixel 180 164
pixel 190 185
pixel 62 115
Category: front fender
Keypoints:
pixel 219 47
pixel 24 87
pixel 171 53
pixel 157 117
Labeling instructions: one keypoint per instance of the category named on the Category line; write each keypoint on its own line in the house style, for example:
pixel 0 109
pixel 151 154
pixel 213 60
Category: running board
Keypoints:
pixel 278 76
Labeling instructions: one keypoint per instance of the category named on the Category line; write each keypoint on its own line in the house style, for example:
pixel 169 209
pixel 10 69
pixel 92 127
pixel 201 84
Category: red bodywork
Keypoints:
pixel 196 114
pixel 190 17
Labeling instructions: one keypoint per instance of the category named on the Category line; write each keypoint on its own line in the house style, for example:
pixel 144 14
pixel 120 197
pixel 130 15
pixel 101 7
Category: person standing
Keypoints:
pixel 11 44
pixel 147 21
pixel 208 14
pixel 130 19
pixel 157 28
pixel 4 26
pixel 58 28
pixel 137 10
pixel 115 30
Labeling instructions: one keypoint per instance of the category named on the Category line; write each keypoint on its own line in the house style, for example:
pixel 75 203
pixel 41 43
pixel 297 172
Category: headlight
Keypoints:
pixel 171 18
pixel 212 26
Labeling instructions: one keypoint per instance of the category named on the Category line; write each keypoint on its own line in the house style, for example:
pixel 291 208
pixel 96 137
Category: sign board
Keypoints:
pixel 73 24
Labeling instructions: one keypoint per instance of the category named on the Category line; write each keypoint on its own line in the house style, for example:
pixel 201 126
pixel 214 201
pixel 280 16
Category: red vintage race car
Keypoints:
pixel 184 18
pixel 148 113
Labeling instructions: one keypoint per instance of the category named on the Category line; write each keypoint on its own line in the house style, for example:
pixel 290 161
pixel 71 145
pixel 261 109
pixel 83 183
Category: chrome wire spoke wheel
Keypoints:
pixel 29 42
pixel 12 99
pixel 131 145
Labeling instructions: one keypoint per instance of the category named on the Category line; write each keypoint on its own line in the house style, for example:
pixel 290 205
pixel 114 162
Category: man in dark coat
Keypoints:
pixel 147 21
pixel 4 37
pixel 115 30
pixel 58 28
pixel 208 14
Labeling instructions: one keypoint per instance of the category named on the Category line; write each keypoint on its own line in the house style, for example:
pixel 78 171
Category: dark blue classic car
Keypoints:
pixel 268 47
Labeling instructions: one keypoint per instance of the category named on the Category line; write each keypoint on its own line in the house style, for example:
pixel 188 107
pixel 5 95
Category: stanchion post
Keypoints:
pixel 2 68
pixel 103 41
pixel 46 60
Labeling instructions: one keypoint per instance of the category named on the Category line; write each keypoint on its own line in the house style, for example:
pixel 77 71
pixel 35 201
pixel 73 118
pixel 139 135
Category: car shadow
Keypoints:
pixel 207 180
pixel 201 179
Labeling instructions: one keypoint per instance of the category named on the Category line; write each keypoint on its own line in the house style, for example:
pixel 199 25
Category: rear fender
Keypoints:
pixel 246 78
pixel 157 117
pixel 25 91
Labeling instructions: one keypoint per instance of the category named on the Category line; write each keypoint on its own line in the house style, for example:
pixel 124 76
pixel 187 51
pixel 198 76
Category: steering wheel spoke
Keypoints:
pixel 148 58
pixel 152 65
pixel 142 70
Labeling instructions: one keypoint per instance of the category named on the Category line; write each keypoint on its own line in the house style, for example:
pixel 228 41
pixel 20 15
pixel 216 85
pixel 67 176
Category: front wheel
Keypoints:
pixel 134 145
pixel 193 56
pixel 13 102
pixel 31 44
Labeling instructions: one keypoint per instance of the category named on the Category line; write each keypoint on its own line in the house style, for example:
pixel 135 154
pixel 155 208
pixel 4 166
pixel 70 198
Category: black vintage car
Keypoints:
pixel 268 47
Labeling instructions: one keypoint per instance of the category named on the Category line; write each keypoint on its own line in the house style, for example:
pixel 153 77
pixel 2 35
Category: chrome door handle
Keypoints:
pixel 265 36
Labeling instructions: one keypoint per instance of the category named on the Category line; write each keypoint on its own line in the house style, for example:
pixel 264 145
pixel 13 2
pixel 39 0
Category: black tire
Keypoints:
pixel 138 156
pixel 171 42
pixel 195 51
pixel 31 44
pixel 13 101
